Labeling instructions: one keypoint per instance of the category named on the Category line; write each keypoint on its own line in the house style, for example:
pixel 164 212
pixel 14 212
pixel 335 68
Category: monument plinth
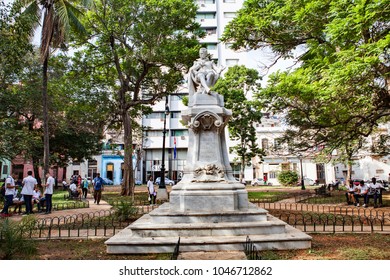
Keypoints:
pixel 208 209
pixel 207 179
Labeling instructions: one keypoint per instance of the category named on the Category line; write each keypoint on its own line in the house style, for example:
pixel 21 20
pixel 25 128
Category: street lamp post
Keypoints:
pixel 302 180
pixel 162 177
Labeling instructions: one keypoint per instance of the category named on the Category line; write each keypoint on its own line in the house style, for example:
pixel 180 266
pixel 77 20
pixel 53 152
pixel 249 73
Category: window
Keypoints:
pixel 264 143
pixel 153 133
pixel 179 132
pixel 229 14
pixel 380 171
pixel 155 115
pixel 211 47
pixel 206 1
pixel 231 62
pixel 205 16
pixel 210 31
pixel 176 115
pixel 5 169
pixel 272 175
pixel 277 144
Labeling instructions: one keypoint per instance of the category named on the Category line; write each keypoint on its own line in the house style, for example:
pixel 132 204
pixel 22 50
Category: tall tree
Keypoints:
pixel 235 86
pixel 78 115
pixel 14 48
pixel 144 45
pixel 340 88
pixel 59 18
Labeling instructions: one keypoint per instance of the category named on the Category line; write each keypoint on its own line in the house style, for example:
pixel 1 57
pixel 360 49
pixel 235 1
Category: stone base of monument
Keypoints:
pixel 158 232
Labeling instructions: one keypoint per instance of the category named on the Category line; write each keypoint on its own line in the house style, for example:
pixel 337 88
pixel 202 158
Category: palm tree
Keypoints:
pixel 59 16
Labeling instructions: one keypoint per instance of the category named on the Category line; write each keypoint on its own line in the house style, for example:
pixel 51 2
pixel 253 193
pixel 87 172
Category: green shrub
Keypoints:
pixel 125 210
pixel 15 241
pixel 288 178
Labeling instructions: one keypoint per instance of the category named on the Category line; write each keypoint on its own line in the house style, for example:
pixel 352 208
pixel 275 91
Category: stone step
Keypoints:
pixel 126 243
pixel 164 215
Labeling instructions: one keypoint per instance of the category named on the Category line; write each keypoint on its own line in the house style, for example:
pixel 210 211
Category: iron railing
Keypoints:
pixel 306 217
pixel 251 251
pixel 176 251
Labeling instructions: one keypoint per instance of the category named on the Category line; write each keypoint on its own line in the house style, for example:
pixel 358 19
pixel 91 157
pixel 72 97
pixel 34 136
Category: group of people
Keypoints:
pixel 365 191
pixel 29 194
pixel 80 186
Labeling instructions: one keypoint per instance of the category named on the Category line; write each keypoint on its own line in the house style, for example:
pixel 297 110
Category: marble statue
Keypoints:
pixel 203 74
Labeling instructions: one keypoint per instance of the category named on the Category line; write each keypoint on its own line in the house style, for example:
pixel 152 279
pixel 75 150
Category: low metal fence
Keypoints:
pixel 176 251
pixel 251 251
pixel 306 217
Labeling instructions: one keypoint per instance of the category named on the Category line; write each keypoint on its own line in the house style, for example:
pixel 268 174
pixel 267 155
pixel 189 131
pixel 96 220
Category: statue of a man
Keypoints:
pixel 203 74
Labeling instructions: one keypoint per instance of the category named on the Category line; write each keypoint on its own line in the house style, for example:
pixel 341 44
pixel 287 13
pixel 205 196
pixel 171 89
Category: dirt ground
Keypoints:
pixel 324 247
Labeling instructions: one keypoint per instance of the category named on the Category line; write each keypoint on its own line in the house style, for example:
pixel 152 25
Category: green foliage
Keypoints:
pixel 136 53
pixel 288 178
pixel 235 86
pixel 125 210
pixel 339 91
pixel 15 241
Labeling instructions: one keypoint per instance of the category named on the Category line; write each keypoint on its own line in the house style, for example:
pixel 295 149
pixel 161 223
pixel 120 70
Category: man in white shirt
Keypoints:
pixel 49 192
pixel 9 193
pixel 29 184
pixel 362 191
pixel 151 191
pixel 375 189
pixel 73 188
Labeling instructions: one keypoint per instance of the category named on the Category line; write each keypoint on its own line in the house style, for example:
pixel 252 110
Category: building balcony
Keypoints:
pixel 203 6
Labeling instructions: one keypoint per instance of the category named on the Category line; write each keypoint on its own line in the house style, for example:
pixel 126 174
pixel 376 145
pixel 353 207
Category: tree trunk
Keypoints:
pixel 35 161
pixel 46 150
pixel 128 176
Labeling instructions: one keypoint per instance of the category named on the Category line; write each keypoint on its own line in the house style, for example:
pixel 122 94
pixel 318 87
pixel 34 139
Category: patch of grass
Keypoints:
pixel 269 196
pixel 366 253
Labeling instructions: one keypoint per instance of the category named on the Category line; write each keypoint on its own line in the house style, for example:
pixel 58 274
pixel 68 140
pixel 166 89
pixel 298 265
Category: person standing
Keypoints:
pixel 97 188
pixel 29 184
pixel 151 191
pixel 50 182
pixel 9 193
pixel 85 185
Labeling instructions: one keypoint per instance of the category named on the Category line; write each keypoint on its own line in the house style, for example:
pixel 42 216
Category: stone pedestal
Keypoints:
pixel 208 208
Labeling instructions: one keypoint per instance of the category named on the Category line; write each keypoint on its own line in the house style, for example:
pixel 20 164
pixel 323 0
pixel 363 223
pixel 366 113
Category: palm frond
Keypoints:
pixel 74 15
pixel 32 9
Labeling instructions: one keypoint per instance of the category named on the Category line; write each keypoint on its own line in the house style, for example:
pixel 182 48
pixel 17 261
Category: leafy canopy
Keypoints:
pixel 339 90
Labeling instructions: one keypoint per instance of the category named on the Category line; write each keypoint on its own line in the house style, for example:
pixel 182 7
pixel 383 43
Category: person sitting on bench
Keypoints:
pixel 362 191
pixel 350 193
pixel 73 190
pixel 375 190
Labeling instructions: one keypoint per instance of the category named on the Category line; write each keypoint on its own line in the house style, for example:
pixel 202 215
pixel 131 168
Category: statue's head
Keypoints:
pixel 203 53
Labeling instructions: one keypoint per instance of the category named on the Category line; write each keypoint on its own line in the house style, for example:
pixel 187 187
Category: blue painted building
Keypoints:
pixel 112 168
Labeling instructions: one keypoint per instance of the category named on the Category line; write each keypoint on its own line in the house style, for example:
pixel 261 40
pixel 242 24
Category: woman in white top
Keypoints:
pixel 350 193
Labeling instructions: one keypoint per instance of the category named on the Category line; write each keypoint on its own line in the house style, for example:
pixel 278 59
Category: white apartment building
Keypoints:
pixel 213 15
